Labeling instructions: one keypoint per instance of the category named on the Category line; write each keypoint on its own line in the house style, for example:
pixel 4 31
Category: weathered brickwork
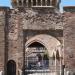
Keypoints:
pixel 69 40
pixel 20 30
pixel 2 43
pixel 15 38
pixel 2 38
pixel 45 19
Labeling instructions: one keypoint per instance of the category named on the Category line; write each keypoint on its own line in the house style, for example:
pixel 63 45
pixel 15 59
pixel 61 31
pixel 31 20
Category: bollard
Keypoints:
pixel 20 72
pixel 68 73
pixel 1 72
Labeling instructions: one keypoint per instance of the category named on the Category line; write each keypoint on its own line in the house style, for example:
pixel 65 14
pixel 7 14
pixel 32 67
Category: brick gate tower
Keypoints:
pixel 35 38
pixel 33 34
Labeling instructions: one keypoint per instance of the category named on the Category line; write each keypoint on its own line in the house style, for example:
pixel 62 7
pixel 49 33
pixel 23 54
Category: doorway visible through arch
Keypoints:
pixel 11 67
pixel 36 56
pixel 33 56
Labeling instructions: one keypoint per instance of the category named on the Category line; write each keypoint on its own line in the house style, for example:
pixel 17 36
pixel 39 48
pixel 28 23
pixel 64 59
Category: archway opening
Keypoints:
pixel 37 56
pixel 11 67
pixel 36 44
pixel 41 48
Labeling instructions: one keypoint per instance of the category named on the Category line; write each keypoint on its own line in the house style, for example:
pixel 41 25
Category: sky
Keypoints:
pixel 63 3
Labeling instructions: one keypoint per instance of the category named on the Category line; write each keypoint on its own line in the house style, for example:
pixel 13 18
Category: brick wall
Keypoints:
pixel 2 38
pixel 69 39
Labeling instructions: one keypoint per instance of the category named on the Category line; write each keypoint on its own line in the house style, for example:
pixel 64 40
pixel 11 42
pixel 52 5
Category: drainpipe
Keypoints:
pixel 62 69
pixel 63 64
pixel 55 65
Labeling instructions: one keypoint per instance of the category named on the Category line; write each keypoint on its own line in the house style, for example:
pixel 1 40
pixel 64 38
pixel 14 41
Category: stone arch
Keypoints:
pixel 36 40
pixel 50 42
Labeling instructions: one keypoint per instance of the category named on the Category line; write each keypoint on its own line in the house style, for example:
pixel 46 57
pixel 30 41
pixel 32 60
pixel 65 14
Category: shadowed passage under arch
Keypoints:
pixel 11 67
pixel 37 56
pixel 43 52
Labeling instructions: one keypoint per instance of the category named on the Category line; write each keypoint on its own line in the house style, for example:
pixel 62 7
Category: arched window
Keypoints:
pixel 20 2
pixel 48 2
pixel 24 2
pixel 43 3
pixel 34 2
pixel 53 2
pixel 29 3
pixel 39 2
pixel 14 2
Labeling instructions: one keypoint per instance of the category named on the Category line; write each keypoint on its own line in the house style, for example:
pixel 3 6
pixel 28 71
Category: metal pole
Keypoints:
pixel 55 64
pixel 63 65
pixel 60 64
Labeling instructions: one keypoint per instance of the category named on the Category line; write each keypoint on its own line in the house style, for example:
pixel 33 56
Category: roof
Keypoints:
pixel 69 7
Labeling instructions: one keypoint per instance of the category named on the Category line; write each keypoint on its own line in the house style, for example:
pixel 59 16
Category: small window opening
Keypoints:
pixel 43 2
pixel 34 2
pixel 48 2
pixel 14 2
pixel 29 3
pixel 24 2
pixel 54 2
pixel 20 3
pixel 39 2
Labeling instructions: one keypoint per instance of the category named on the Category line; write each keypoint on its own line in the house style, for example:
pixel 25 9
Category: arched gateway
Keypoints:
pixel 11 67
pixel 43 52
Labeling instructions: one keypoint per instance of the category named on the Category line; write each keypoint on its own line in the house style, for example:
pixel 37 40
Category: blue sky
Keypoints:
pixel 63 2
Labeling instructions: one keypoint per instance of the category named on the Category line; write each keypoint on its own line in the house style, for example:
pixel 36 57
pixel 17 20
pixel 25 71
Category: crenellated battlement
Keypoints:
pixel 36 3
